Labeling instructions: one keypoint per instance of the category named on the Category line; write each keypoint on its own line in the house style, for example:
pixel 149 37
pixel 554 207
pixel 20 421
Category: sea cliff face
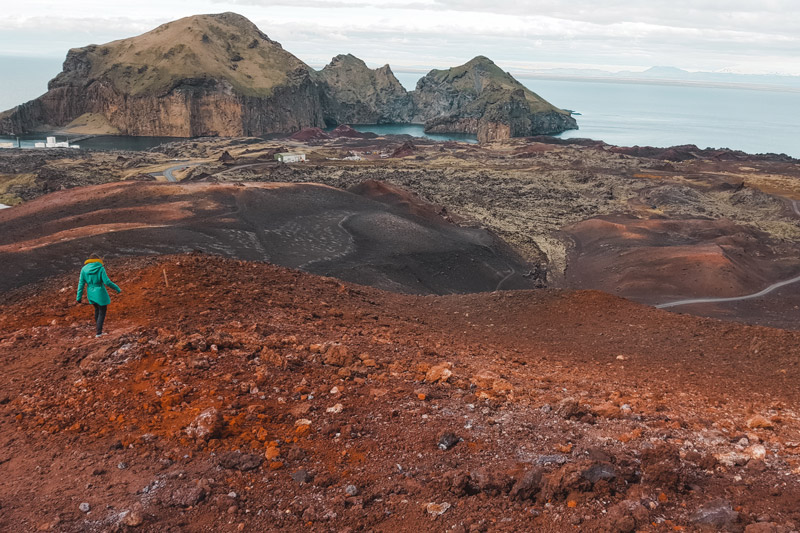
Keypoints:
pixel 355 94
pixel 220 75
pixel 478 97
pixel 203 75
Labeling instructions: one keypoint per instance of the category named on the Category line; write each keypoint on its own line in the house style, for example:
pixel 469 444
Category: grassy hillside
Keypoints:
pixel 226 47
pixel 488 82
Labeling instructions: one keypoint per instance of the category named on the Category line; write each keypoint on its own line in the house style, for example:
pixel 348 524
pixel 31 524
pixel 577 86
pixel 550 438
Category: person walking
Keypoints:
pixel 94 277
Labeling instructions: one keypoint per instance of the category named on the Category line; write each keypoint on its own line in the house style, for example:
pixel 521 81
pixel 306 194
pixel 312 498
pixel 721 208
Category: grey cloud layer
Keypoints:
pixel 697 34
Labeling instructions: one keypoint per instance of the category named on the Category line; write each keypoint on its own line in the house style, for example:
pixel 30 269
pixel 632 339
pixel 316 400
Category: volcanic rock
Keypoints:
pixel 478 97
pixel 358 95
pixel 191 77
pixel 206 425
pixel 528 486
pixel 240 461
pixel 717 513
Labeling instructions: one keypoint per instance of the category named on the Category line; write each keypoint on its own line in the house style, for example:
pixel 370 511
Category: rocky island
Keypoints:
pixel 219 75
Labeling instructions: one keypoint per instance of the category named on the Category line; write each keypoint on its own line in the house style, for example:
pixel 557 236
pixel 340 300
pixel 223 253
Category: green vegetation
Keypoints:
pixel 489 84
pixel 212 47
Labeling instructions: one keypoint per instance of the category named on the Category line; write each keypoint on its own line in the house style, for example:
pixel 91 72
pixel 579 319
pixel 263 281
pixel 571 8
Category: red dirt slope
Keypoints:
pixel 236 396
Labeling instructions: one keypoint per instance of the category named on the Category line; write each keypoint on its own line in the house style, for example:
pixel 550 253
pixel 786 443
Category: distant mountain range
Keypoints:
pixel 671 75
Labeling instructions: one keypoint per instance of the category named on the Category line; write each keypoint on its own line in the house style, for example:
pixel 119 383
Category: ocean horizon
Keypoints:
pixel 624 113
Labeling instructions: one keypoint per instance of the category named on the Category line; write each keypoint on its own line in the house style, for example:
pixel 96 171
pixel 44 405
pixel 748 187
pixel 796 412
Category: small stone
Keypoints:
pixel 351 490
pixel 272 452
pixel 606 410
pixel 528 486
pixel 436 509
pixel 122 466
pixel 484 379
pixel 133 519
pixel 240 461
pixel 335 409
pixel 448 440
pixel 84 507
pixel 717 513
pixel 337 355
pixel 759 422
pixel 439 373
pixel 207 425
pixel 568 408
pixel 187 496
pixel 599 471
pixel 730 459
pixel 757 451
pixel 301 476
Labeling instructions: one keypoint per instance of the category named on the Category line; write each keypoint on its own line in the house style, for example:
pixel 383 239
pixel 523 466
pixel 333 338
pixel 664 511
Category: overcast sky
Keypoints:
pixel 753 36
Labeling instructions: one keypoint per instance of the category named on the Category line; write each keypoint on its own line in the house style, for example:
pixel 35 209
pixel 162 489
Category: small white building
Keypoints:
pixel 52 143
pixel 290 157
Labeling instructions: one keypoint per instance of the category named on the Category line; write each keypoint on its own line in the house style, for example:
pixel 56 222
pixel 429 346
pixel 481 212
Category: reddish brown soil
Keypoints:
pixel 576 411
pixel 309 134
pixel 659 260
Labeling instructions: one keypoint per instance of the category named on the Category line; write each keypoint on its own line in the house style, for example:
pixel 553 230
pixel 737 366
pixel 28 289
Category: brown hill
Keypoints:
pixel 200 75
pixel 400 245
pixel 230 395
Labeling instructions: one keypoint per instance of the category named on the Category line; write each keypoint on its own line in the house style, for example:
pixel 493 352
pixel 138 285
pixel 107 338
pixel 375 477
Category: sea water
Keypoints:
pixel 629 114
pixel 626 114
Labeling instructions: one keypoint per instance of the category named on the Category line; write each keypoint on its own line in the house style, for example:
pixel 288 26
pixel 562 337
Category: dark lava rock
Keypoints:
pixel 448 440
pixel 302 476
pixel 568 408
pixel 185 496
pixel 599 471
pixel 528 486
pixel 240 461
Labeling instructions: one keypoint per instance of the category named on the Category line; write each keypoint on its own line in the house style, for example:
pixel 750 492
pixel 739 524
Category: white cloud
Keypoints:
pixel 691 34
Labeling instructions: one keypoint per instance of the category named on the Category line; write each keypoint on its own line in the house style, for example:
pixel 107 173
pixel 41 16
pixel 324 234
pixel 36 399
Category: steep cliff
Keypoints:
pixel 478 97
pixel 357 94
pixel 220 75
pixel 200 75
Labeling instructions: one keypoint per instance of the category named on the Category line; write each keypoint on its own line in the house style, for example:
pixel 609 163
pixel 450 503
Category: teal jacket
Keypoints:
pixel 94 276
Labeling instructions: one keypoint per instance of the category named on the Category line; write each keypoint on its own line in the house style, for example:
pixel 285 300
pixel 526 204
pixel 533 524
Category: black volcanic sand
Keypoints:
pixel 382 237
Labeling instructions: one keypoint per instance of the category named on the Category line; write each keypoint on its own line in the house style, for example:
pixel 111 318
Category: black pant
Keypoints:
pixel 99 316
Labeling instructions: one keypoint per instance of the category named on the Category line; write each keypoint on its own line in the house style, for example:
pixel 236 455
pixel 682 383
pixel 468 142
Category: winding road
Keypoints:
pixel 758 294
pixel 168 172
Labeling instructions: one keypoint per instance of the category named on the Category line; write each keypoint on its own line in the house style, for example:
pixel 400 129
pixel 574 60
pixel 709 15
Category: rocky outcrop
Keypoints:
pixel 356 94
pixel 202 75
pixel 220 75
pixel 478 97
